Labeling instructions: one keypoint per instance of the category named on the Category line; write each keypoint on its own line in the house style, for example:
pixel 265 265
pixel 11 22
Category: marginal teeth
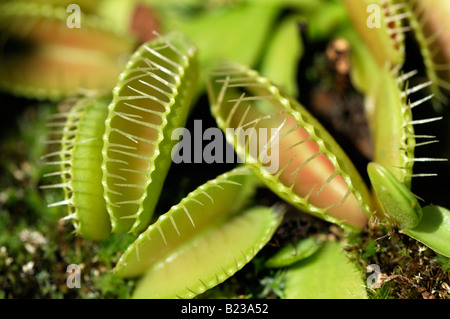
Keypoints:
pixel 406 76
pixel 57 116
pixel 426 143
pixel 398 30
pixel 58 163
pixel 53 154
pixel 425 121
pixel 419 102
pixel 427 159
pixel 62 203
pixel 52 142
pixel 398 17
pixel 424 175
pixel 394 8
pixel 416 89
pixel 419 136
pixel 60 185
pixel 57 173
pixel 69 217
pixel 188 215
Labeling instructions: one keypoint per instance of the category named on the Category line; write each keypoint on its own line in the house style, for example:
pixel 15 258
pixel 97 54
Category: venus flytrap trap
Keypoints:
pixel 314 173
pixel 388 94
pixel 40 57
pixel 152 98
pixel 395 140
pixel 79 133
pixel 202 241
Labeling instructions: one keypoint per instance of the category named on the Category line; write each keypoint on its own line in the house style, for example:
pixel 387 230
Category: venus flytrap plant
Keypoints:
pixel 202 241
pixel 79 133
pixel 395 141
pixel 40 57
pixel 388 96
pixel 152 98
pixel 314 173
pixel 394 144
pixel 114 159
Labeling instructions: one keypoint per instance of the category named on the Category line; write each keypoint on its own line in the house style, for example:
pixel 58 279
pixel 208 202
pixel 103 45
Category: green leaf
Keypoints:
pixel 327 274
pixel 232 33
pixel 280 62
pixel 433 229
pixel 397 200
